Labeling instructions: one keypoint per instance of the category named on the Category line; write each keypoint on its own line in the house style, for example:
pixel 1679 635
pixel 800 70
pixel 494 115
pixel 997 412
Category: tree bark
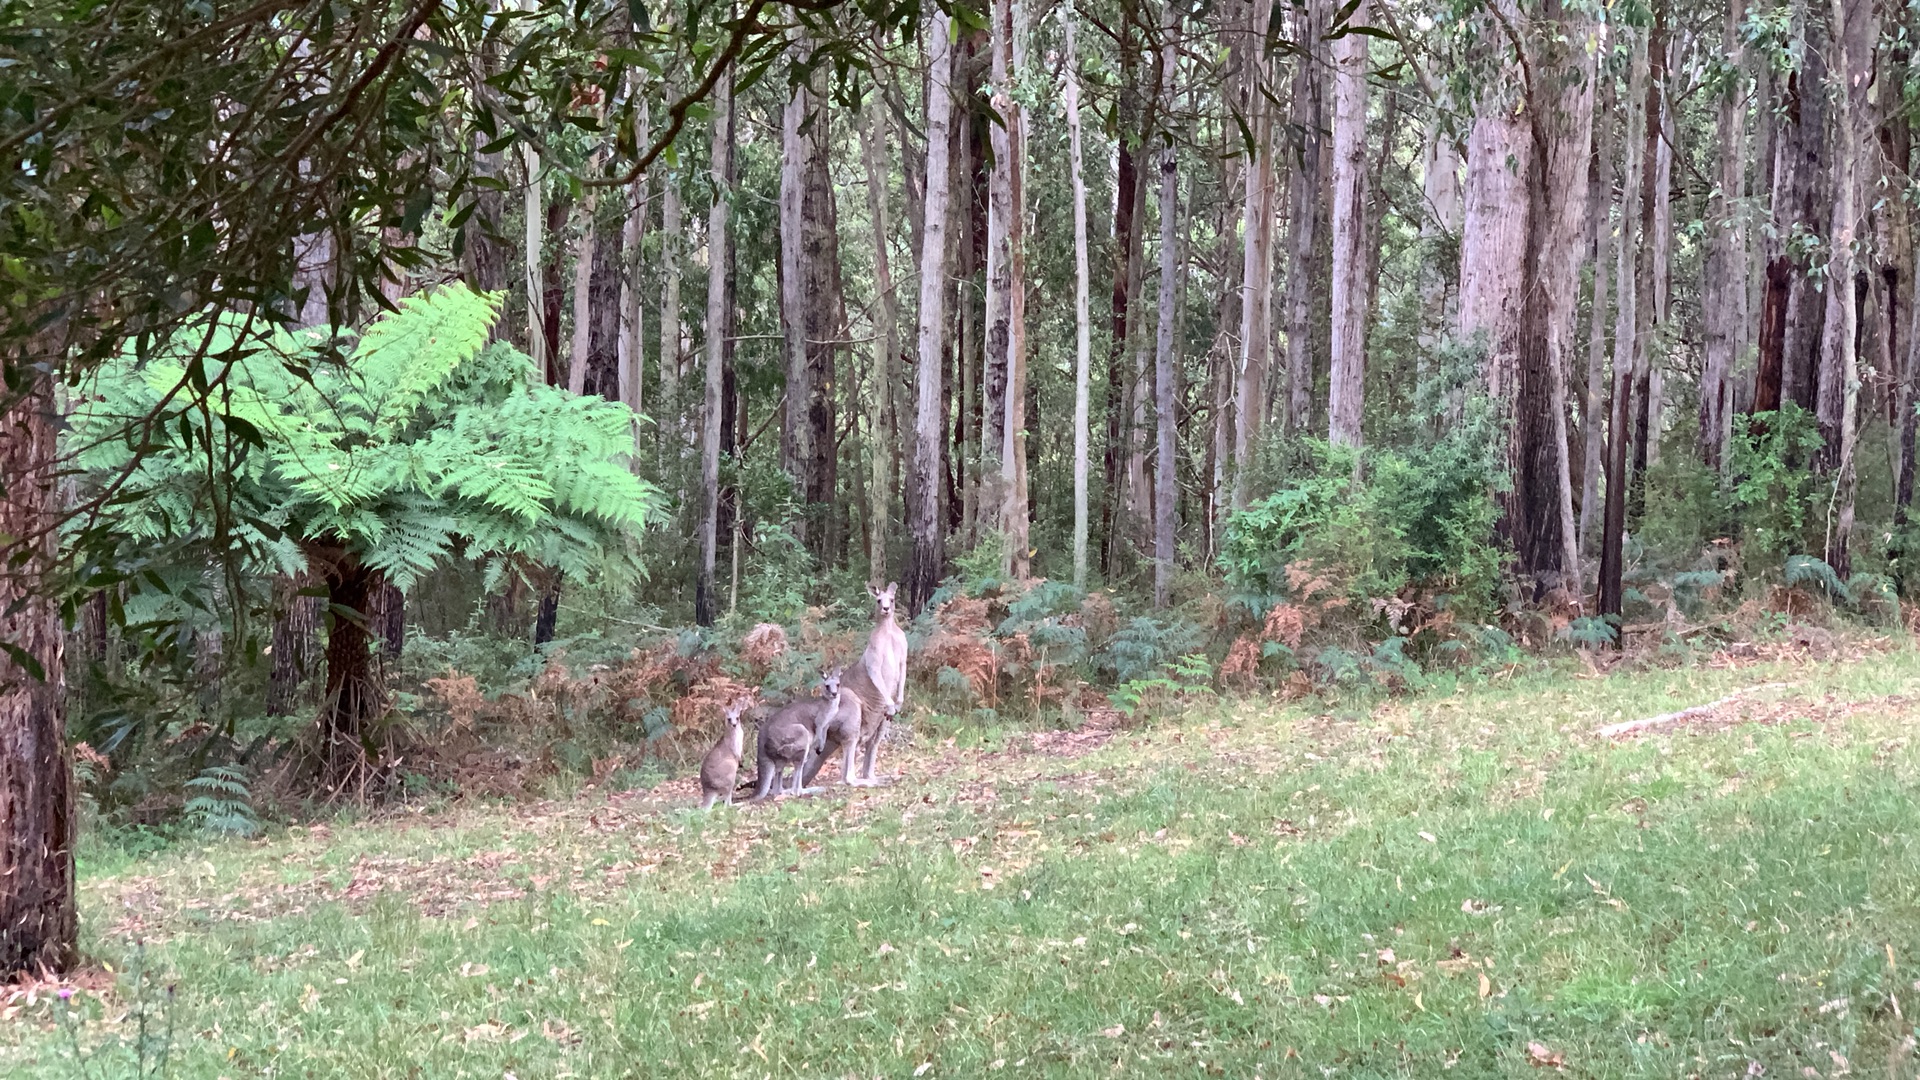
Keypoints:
pixel 705 602
pixel 1648 277
pixel 809 315
pixel 631 376
pixel 1007 340
pixel 1440 225
pixel 1082 328
pixel 927 558
pixel 1856 29
pixel 1347 378
pixel 1723 300
pixel 885 424
pixel 1626 339
pixel 536 217
pixel 1303 200
pixel 1165 492
pixel 1256 269
pixel 1129 195
pixel 1599 212
pixel 585 250
pixel 355 697
pixel 671 239
pixel 297 619
pixel 37 914
pixel 1802 206
pixel 997 326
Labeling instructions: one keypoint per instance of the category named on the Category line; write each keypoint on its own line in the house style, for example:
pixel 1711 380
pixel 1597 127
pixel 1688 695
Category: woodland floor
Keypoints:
pixel 1469 884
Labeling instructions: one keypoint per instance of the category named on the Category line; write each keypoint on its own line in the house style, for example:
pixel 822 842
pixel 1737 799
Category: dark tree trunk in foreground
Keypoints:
pixel 37 921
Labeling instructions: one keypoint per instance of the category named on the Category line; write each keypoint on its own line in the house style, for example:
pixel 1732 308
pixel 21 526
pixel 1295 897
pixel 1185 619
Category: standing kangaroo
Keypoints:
pixel 879 680
pixel 787 737
pixel 721 767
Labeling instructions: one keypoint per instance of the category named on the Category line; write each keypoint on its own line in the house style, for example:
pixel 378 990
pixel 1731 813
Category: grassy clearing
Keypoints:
pixel 1429 885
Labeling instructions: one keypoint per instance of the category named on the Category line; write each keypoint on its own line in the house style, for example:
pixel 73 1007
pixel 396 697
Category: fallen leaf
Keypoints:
pixel 1429 837
pixel 1486 985
pixel 1539 1055
pixel 491 1031
pixel 1115 1031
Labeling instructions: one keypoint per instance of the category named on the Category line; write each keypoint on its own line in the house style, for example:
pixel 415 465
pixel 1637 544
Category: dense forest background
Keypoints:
pixel 412 397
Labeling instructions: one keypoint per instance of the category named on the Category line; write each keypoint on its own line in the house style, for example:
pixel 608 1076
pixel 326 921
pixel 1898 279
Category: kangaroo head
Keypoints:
pixel 883 600
pixel 733 710
pixel 830 682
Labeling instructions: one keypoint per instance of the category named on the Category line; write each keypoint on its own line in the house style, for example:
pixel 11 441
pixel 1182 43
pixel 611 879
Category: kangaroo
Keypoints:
pixel 721 767
pixel 841 732
pixel 879 680
pixel 787 737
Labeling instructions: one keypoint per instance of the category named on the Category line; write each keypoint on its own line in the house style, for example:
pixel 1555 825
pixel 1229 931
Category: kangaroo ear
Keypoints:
pixel 891 587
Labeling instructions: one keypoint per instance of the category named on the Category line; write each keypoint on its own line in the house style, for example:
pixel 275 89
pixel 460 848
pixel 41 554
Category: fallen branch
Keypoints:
pixel 1630 727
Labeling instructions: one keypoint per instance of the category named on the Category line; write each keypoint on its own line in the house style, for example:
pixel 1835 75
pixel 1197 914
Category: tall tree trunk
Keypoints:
pixel 1494 234
pixel 1347 379
pixel 1648 277
pixel 1010 351
pixel 885 423
pixel 631 375
pixel 1564 127
pixel 705 602
pixel 1440 226
pixel 1256 270
pixel 37 917
pixel 1802 206
pixel 997 326
pixel 671 239
pixel 1165 491
pixel 535 213
pixel 1129 193
pixel 1082 328
pixel 1856 30
pixel 1626 338
pixel 927 558
pixel 1599 213
pixel 1723 301
pixel 809 314
pixel 1519 276
pixel 553 296
pixel 1660 239
pixel 1303 208
pixel 1903 281
pixel 585 250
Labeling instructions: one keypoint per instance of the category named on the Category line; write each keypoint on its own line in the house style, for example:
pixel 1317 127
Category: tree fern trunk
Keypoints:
pixel 355 697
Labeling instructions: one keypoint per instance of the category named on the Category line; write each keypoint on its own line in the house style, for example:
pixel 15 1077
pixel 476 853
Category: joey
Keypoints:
pixel 841 732
pixel 721 767
pixel 785 746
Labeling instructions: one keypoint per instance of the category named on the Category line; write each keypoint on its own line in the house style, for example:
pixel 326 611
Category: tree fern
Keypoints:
pixel 414 438
pixel 1805 570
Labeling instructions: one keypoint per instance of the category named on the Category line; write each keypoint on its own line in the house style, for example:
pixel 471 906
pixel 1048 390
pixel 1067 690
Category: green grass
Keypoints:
pixel 1213 894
